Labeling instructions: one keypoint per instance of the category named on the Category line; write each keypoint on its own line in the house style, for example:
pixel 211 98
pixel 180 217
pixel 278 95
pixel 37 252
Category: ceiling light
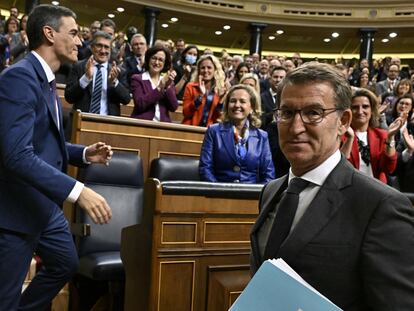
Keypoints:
pixel 120 9
pixel 279 32
pixel 272 37
pixel 335 35
pixel 226 27
pixel 164 25
pixel 218 32
pixel 110 15
pixel 393 35
pixel 55 2
pixel 174 19
pixel 385 40
pixel 327 40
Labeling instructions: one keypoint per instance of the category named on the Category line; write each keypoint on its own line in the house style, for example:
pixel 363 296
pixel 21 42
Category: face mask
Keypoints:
pixel 190 59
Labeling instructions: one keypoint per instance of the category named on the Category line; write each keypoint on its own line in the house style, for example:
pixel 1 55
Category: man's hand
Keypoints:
pixel 99 153
pixel 95 205
pixel 114 73
pixel 89 68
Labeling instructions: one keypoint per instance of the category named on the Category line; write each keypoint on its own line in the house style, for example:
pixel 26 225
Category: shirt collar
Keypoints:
pixel 104 65
pixel 46 68
pixel 319 174
pixel 146 76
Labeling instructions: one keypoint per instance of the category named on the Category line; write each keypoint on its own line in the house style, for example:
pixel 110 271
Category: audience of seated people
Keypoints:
pixel 236 150
pixel 153 94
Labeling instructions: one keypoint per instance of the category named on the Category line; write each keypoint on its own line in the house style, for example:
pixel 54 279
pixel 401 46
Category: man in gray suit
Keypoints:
pixel 348 235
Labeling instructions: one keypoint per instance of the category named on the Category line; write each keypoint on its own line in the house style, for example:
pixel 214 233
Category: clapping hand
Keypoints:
pixel 168 79
pixel 395 126
pixel 89 68
pixel 202 85
pixel 114 73
pixel 409 141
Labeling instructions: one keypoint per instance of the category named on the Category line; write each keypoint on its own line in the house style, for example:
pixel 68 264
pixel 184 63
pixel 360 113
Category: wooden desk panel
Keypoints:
pixel 149 139
pixel 188 253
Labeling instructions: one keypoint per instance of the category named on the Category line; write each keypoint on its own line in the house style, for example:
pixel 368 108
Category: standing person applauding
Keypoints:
pixel 237 150
pixel 369 148
pixel 202 97
pixel 153 94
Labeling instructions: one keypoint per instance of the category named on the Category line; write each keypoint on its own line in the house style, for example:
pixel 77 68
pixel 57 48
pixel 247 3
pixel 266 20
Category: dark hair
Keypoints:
pixel 239 67
pixel 277 68
pixel 154 50
pixel 100 34
pixel 45 15
pixel 394 109
pixel 108 23
pixel 21 21
pixel 8 21
pixel 314 72
pixel 373 102
pixel 184 52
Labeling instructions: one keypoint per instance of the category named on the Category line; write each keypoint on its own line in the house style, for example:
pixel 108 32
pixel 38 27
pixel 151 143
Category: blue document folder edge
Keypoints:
pixel 271 289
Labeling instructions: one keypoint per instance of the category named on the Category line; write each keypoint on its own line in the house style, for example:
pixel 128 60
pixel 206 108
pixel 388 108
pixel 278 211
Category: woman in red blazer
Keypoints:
pixel 202 101
pixel 369 148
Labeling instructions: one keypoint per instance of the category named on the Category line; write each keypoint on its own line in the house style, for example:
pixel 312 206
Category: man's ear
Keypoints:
pixel 49 34
pixel 345 121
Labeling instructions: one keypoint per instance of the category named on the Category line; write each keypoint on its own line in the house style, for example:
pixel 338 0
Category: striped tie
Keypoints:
pixel 97 91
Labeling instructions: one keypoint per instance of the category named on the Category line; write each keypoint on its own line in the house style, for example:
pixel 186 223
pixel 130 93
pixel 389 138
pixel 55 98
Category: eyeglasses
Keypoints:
pixel 156 59
pixel 309 115
pixel 101 46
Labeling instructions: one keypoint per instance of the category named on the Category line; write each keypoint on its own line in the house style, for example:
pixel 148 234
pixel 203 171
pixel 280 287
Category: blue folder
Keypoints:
pixel 272 289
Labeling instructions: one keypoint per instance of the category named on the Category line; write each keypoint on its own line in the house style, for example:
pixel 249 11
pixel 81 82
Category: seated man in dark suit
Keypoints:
pixel 348 235
pixel 134 64
pixel 96 86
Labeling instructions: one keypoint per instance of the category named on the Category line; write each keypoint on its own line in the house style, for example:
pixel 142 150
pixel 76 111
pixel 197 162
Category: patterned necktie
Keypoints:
pixel 364 151
pixel 97 91
pixel 241 148
pixel 284 217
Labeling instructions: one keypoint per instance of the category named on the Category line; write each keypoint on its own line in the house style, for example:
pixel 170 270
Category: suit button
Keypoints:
pixel 236 168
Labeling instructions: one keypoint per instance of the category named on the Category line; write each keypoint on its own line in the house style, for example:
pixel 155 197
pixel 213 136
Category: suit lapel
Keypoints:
pixel 373 143
pixel 252 142
pixel 269 196
pixel 227 135
pixel 319 213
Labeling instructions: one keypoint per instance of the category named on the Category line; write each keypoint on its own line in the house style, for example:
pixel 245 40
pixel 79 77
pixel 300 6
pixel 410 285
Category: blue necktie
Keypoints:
pixel 97 91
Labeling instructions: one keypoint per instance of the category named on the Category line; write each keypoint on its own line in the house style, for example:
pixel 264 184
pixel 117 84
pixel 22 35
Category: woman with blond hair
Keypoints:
pixel 237 150
pixel 202 100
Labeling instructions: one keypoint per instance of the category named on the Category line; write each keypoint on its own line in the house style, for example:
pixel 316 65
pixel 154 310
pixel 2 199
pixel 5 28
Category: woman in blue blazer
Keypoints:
pixel 236 150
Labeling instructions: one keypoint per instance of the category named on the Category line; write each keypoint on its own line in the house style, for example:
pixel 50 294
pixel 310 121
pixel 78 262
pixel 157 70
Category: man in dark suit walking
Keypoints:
pixel 104 97
pixel 348 235
pixel 33 162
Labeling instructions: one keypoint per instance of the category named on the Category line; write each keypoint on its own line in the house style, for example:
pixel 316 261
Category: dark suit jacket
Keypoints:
pixel 267 108
pixel 34 155
pixel 354 244
pixel 131 67
pixel 81 98
pixel 218 158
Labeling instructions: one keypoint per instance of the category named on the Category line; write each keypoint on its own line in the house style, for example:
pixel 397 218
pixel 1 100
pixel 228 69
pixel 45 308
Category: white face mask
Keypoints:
pixel 190 59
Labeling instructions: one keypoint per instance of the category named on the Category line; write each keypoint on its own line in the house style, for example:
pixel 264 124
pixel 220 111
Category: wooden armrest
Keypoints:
pixel 80 229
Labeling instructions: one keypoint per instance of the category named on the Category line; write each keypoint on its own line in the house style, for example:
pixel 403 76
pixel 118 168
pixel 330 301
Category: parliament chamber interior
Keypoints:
pixel 177 241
